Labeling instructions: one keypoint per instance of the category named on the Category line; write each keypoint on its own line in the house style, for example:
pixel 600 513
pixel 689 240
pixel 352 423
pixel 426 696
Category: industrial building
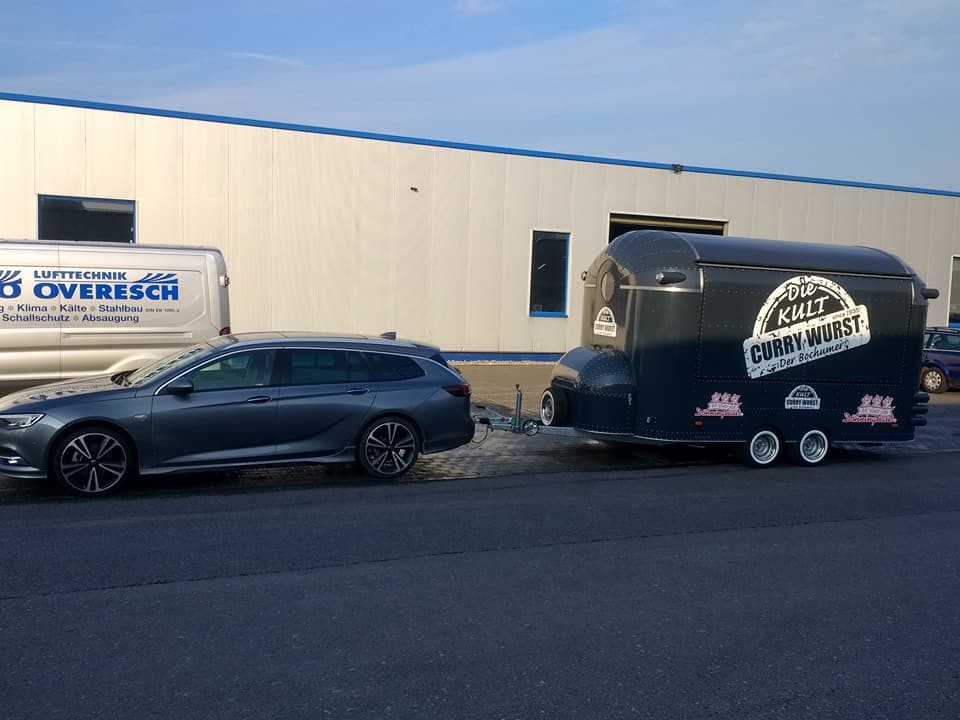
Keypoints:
pixel 476 249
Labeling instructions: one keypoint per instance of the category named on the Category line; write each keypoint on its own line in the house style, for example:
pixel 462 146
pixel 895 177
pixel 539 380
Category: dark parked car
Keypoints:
pixel 941 359
pixel 241 401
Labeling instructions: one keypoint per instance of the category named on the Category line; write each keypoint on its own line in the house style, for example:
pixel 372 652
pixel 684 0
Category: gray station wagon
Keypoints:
pixel 241 401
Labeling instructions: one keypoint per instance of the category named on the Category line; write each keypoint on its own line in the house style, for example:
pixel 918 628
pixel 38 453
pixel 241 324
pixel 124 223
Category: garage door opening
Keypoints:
pixel 623 222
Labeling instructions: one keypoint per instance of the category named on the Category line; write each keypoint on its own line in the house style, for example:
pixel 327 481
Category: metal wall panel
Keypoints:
pixel 846 215
pixel 711 190
pixel 738 206
pixel 412 267
pixel 588 236
pixel 58 142
pixel 650 196
pixel 483 278
pixel 18 199
pixel 159 176
pixel 376 304
pixel 794 207
pixel 295 302
pixel 335 210
pixel 767 204
pixel 109 154
pixel 205 184
pixel 448 256
pixel 521 217
pixel 251 228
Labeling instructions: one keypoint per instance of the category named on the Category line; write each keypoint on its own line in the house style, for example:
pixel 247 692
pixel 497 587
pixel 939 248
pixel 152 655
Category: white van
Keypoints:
pixel 69 309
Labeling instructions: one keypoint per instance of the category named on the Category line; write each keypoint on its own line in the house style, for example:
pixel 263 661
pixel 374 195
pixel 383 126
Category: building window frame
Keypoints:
pixel 953 292
pixel 44 232
pixel 542 234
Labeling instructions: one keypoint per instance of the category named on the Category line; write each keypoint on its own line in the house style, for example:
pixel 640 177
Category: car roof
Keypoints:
pixel 356 342
pixel 943 329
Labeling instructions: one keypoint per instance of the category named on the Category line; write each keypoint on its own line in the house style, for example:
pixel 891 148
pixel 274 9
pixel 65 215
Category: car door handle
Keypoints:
pixel 358 391
pixel 258 399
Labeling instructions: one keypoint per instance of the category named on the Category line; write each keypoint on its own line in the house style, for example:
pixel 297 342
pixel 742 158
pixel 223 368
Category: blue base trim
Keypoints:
pixel 16 97
pixel 500 357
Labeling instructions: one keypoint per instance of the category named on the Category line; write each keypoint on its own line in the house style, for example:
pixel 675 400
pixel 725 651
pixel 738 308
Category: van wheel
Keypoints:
pixel 812 449
pixel 388 447
pixel 92 461
pixel 553 407
pixel 762 449
pixel 933 380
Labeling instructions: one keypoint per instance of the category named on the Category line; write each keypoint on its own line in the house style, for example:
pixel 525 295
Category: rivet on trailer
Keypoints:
pixel 774 346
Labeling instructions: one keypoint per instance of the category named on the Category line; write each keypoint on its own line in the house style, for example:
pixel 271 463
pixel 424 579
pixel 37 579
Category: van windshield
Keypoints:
pixel 172 361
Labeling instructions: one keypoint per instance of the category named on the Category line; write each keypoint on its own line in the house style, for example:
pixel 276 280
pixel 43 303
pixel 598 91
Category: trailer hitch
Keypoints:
pixel 516 424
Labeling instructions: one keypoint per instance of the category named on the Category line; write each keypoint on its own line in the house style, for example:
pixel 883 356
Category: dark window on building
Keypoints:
pixel 955 293
pixel 89 219
pixel 548 273
pixel 621 223
pixel 395 367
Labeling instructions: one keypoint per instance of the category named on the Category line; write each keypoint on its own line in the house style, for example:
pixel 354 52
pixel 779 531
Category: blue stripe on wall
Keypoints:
pixel 15 97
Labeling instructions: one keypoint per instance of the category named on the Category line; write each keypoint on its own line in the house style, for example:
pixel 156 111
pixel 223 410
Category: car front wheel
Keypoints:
pixel 388 447
pixel 92 461
pixel 933 380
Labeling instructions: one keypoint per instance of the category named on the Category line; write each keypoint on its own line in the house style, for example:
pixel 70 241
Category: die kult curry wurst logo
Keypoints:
pixel 804 319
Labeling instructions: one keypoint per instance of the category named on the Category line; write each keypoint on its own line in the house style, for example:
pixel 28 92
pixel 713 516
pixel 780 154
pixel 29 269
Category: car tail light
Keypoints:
pixel 225 331
pixel 458 390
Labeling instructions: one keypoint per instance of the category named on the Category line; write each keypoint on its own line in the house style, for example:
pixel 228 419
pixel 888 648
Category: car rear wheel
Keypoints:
pixel 933 380
pixel 762 449
pixel 553 407
pixel 388 447
pixel 812 449
pixel 92 461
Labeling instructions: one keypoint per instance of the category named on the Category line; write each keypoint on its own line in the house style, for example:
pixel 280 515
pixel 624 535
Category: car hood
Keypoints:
pixel 97 386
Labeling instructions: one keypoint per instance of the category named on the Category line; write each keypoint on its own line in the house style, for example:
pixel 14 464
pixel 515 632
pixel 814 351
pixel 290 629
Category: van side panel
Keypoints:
pixel 29 328
pixel 73 309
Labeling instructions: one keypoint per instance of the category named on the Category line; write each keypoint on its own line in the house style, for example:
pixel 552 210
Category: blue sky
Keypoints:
pixel 859 90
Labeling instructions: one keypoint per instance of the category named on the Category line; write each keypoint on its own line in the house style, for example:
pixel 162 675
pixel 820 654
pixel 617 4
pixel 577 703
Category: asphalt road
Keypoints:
pixel 701 592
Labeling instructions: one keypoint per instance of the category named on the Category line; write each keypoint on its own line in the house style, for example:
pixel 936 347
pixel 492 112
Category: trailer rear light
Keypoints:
pixel 225 331
pixel 458 390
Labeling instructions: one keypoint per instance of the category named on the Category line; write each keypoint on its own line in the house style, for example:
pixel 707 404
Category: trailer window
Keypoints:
pixel 955 293
pixel 88 219
pixel 548 274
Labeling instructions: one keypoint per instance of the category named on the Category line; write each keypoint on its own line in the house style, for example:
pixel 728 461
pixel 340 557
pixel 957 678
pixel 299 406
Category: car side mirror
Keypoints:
pixel 180 386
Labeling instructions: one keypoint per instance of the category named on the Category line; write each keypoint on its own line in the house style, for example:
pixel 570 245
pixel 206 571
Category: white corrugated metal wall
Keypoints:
pixel 338 233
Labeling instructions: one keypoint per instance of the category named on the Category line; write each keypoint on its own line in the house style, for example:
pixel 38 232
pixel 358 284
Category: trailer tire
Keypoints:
pixel 553 407
pixel 812 449
pixel 763 448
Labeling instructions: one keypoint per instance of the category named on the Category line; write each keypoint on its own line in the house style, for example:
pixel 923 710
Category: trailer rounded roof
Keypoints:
pixel 640 250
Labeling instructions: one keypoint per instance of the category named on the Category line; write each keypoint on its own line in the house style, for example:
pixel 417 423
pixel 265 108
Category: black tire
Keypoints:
pixel 812 448
pixel 763 448
pixel 553 407
pixel 932 380
pixel 92 461
pixel 388 447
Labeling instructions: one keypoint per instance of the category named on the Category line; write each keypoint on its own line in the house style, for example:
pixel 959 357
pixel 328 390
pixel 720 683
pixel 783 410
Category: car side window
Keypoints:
pixel 927 339
pixel 251 369
pixel 310 366
pixel 951 342
pixel 395 367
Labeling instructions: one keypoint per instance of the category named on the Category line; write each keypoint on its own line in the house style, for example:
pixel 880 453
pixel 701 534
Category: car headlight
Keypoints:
pixel 17 422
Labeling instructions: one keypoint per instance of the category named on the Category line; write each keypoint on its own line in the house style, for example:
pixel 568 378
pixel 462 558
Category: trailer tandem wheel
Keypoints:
pixel 763 448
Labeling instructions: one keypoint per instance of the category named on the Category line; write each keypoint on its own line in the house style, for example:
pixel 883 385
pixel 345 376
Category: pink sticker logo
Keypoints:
pixel 873 409
pixel 721 405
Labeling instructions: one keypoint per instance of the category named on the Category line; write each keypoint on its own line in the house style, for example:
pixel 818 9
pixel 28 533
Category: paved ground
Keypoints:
pixel 683 592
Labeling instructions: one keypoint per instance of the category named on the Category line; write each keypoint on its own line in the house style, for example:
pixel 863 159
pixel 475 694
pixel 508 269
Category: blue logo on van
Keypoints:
pixel 105 285
pixel 10 284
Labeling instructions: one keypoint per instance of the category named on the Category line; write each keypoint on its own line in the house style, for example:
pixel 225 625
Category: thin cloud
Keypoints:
pixel 269 59
pixel 478 7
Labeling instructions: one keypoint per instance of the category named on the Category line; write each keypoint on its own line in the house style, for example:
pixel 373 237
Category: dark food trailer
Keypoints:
pixel 777 345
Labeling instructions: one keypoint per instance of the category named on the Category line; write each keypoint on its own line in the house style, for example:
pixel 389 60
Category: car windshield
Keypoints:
pixel 173 361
